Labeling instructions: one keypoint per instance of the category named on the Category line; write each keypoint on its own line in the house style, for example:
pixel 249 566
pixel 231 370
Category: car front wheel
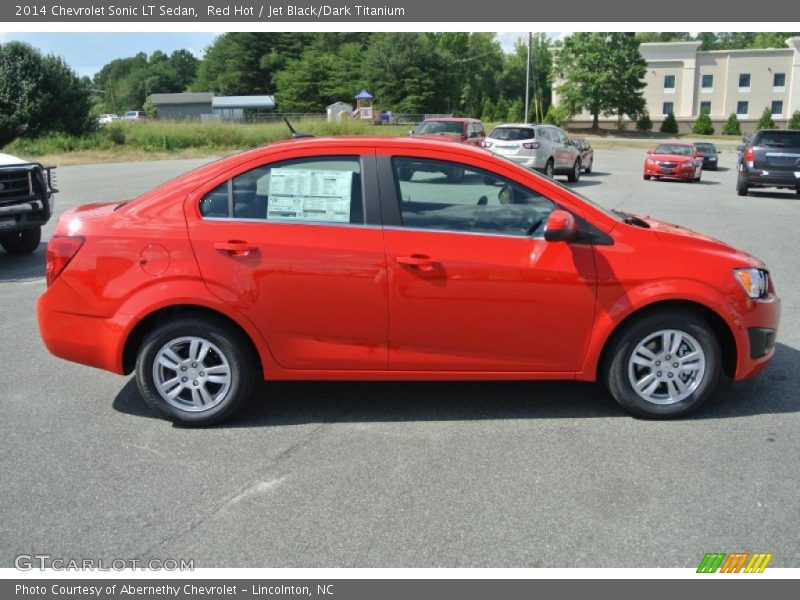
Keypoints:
pixel 664 365
pixel 22 242
pixel 549 169
pixel 195 371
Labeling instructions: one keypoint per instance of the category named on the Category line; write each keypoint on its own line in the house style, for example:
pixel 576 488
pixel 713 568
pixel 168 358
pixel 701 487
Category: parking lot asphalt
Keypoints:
pixel 408 474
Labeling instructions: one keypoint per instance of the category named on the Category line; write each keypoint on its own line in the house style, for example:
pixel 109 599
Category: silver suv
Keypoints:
pixel 540 147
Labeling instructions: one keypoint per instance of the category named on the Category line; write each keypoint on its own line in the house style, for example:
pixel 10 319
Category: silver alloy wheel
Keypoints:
pixel 191 374
pixel 666 367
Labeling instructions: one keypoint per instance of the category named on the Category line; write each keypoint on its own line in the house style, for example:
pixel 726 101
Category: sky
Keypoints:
pixel 86 53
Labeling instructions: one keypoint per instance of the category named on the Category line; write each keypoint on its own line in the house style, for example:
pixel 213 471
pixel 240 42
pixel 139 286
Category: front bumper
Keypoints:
pixel 675 173
pixel 758 327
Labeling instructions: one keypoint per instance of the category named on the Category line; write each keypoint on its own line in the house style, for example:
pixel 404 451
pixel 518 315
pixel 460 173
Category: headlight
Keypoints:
pixel 755 282
pixel 688 163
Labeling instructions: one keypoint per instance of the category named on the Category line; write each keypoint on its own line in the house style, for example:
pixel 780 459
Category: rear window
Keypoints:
pixel 705 147
pixel 513 134
pixel 781 139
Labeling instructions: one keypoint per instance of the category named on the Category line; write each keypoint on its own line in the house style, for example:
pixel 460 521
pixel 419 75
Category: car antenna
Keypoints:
pixel 295 135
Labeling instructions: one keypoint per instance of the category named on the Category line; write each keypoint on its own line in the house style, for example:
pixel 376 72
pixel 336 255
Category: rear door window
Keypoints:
pixel 781 139
pixel 306 190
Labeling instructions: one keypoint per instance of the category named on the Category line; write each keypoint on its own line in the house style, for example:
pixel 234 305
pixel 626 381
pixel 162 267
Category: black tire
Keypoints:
pixel 22 242
pixel 455 174
pixel 617 362
pixel 588 168
pixel 549 169
pixel 741 185
pixel 647 177
pixel 230 343
pixel 575 174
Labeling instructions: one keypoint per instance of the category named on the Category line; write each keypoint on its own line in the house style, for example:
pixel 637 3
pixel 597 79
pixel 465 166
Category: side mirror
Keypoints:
pixel 698 155
pixel 560 227
pixel 650 151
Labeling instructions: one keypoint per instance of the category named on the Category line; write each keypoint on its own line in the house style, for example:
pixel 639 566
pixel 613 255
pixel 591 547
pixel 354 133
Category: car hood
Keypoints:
pixel 673 234
pixel 8 159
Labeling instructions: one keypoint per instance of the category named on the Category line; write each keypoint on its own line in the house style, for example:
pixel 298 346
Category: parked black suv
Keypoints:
pixel 771 159
pixel 26 203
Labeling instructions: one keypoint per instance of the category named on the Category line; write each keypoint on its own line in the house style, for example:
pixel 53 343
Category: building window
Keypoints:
pixel 707 83
pixel 779 82
pixel 705 106
pixel 669 83
pixel 741 108
pixel 777 108
pixel 667 108
pixel 744 82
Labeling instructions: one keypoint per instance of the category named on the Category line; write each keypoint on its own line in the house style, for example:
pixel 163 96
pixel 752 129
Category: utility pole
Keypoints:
pixel 527 79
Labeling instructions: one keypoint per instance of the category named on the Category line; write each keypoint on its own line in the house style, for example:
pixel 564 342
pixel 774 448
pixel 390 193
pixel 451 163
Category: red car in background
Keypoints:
pixel 464 130
pixel 674 160
pixel 315 259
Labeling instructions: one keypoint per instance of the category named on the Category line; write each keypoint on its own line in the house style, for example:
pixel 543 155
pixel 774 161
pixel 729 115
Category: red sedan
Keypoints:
pixel 314 259
pixel 674 161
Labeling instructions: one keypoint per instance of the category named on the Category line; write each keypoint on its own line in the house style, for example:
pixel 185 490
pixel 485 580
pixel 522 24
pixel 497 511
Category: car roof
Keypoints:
pixel 454 119
pixel 523 125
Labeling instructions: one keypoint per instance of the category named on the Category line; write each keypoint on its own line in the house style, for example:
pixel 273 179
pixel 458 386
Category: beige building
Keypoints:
pixel 685 81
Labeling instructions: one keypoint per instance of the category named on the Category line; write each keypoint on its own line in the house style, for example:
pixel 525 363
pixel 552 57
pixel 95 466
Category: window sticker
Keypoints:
pixel 309 195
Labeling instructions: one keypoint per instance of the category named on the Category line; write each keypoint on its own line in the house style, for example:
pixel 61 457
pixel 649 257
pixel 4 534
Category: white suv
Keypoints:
pixel 540 147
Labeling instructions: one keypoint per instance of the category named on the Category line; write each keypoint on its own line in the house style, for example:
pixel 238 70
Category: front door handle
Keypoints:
pixel 420 262
pixel 235 247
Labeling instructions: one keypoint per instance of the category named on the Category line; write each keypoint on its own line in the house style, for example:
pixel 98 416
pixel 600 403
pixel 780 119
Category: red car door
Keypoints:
pixel 290 245
pixel 473 286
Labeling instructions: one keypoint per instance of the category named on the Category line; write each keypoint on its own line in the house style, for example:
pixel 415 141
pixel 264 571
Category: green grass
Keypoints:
pixel 121 140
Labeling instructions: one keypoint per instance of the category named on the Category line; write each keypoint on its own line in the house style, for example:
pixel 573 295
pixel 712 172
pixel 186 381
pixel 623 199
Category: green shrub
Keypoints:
pixel 487 114
pixel 644 123
pixel 516 114
pixel 794 122
pixel 765 120
pixel 557 115
pixel 703 125
pixel 670 125
pixel 732 126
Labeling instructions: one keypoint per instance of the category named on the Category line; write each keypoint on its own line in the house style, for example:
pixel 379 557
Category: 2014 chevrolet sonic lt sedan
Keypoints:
pixel 314 259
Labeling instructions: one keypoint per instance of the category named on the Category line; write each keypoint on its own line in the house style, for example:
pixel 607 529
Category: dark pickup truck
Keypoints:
pixel 770 159
pixel 26 203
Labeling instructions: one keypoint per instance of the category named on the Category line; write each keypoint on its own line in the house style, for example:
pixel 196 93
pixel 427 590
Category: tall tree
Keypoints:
pixel 39 94
pixel 602 73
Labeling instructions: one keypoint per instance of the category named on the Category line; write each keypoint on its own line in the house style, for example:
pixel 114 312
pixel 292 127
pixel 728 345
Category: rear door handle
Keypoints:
pixel 235 247
pixel 420 262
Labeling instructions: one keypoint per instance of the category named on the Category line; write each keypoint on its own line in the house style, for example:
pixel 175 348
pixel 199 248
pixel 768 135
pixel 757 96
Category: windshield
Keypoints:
pixel 512 134
pixel 679 149
pixel 440 127
pixel 706 148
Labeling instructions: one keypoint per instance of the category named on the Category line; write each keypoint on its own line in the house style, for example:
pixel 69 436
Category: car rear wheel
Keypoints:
pixel 575 174
pixel 549 169
pixel 22 242
pixel 195 371
pixel 741 185
pixel 647 177
pixel 664 365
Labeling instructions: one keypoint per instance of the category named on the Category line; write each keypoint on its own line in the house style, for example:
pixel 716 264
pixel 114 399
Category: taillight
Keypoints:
pixel 61 250
pixel 749 154
pixel 530 145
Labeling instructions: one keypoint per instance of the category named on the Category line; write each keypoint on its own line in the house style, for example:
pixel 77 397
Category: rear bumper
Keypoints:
pixel 529 162
pixel 768 178
pixel 85 339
